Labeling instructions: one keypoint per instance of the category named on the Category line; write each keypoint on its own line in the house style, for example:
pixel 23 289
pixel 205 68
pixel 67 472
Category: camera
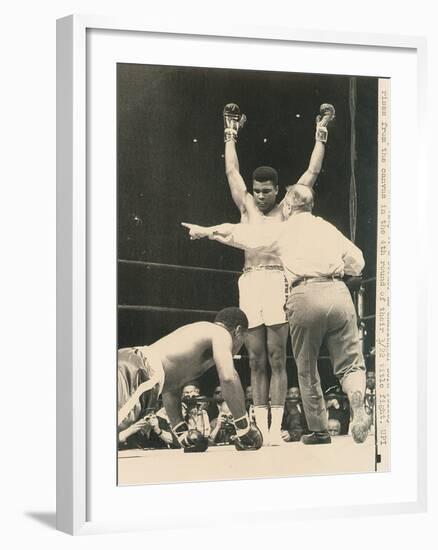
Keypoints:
pixel 229 430
pixel 227 421
pixel 190 401
pixel 194 401
pixel 293 400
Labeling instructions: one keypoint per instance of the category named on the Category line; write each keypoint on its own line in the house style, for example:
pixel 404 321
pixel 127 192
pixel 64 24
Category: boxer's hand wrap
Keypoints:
pixel 242 425
pixel 326 115
pixel 233 121
pixel 249 437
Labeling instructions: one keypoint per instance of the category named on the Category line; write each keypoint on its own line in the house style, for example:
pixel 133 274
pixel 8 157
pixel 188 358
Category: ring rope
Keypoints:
pixel 196 268
pixel 167 309
pixel 182 267
pixel 189 310
pixel 321 357
pixel 369 280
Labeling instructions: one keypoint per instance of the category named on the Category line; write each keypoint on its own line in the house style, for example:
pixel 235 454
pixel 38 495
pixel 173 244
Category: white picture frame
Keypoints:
pixel 73 219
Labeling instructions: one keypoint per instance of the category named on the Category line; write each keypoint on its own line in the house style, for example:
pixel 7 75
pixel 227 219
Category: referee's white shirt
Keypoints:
pixel 307 245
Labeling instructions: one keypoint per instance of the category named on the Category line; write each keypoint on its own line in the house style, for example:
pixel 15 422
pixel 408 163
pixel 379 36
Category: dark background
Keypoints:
pixel 165 177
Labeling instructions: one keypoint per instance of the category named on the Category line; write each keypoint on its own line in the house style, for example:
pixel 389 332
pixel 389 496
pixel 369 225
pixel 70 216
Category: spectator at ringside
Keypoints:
pixel 294 421
pixel 190 389
pixel 222 427
pixel 150 432
pixel 248 396
pixel 167 434
pixel 249 404
pixel 338 407
pixel 215 403
pixel 334 427
pixel 193 412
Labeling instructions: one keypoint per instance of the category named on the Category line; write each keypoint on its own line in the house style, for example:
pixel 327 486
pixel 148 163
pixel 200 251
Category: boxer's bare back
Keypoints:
pixel 187 352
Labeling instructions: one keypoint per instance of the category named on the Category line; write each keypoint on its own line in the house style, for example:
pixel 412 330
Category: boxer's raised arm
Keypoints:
pixel 311 174
pixel 233 121
pixel 236 183
pixel 323 120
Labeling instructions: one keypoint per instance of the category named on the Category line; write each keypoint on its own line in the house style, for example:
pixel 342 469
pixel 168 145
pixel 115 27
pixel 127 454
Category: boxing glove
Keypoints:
pixel 233 121
pixel 249 437
pixel 198 443
pixel 192 441
pixel 326 115
pixel 251 441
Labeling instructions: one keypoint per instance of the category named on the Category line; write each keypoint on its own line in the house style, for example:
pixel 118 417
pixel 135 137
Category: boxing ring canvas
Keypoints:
pixel 140 151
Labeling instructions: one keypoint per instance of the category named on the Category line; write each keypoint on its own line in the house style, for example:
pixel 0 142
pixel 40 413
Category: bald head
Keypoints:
pixel 299 198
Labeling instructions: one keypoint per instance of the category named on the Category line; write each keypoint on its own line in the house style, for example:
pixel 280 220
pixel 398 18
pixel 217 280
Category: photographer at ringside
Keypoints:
pixel 334 427
pixel 150 432
pixel 294 423
pixel 249 404
pixel 194 409
pixel 338 407
pixel 215 403
pixel 222 427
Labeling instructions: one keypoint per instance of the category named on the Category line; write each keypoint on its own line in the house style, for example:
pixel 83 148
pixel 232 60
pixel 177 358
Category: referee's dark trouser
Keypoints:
pixel 317 312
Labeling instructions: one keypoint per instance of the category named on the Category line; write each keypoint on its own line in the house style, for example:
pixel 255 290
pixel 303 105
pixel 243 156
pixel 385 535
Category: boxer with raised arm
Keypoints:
pixel 262 286
pixel 164 367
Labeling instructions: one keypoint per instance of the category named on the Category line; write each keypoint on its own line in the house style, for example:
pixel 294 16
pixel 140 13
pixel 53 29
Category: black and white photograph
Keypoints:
pixel 218 284
pixel 252 274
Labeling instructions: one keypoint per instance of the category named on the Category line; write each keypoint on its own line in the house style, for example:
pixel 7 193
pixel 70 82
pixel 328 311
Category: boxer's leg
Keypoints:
pixel 273 298
pixel 250 291
pixel 276 338
pixel 255 343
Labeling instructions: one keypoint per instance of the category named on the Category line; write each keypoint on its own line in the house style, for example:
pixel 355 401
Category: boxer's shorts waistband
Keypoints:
pixel 303 280
pixel 263 268
pixel 155 363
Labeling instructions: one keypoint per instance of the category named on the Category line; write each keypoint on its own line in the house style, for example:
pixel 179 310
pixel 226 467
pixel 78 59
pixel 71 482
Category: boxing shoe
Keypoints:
pixel 316 438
